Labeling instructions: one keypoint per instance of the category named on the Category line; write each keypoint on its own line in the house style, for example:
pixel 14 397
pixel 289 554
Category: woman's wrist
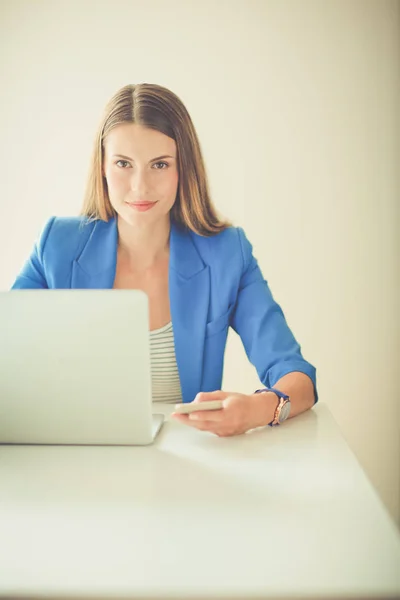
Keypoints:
pixel 263 406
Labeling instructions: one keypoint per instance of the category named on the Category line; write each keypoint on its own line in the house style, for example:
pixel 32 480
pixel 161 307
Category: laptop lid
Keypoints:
pixel 75 367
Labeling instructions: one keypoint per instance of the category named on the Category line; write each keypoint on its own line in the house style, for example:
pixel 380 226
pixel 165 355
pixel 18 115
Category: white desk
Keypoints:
pixel 277 513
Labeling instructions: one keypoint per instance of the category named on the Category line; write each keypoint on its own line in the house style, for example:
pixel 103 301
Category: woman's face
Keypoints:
pixel 140 166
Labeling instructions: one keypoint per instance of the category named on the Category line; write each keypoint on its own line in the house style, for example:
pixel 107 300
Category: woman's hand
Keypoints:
pixel 240 413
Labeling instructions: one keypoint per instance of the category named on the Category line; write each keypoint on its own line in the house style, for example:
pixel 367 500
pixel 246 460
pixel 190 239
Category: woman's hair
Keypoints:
pixel 157 108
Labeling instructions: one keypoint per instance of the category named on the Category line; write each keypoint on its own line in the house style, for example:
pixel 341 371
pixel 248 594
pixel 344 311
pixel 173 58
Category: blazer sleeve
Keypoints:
pixel 32 274
pixel 259 321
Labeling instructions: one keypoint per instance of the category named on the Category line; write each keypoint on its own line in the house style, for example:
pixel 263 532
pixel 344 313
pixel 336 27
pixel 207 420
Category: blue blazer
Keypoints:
pixel 214 283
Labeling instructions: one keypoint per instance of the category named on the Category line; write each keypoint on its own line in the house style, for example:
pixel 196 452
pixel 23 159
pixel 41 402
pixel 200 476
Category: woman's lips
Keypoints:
pixel 141 206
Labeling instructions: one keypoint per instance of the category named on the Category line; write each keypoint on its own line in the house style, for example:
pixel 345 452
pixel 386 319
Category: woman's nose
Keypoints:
pixel 139 183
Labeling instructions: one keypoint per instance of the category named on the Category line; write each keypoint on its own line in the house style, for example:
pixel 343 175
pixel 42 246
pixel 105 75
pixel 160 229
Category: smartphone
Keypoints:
pixel 185 409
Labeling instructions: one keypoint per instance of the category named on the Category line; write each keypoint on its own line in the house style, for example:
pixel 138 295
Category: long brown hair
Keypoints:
pixel 158 108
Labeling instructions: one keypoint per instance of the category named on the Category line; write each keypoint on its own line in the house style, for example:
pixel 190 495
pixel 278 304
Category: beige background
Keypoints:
pixel 297 109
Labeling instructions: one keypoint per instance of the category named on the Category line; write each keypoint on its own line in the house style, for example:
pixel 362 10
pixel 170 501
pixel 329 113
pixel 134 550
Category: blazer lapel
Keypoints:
pixel 189 287
pixel 189 290
pixel 96 266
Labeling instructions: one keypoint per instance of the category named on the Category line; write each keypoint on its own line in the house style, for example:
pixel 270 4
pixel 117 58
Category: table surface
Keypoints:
pixel 282 512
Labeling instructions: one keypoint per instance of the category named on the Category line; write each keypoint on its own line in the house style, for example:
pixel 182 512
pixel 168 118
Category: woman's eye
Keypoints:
pixel 160 166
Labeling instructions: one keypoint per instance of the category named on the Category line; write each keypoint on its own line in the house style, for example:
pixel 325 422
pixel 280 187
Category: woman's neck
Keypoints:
pixel 143 247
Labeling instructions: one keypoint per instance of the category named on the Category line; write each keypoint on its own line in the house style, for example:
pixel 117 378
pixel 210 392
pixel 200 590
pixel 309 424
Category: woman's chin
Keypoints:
pixel 135 217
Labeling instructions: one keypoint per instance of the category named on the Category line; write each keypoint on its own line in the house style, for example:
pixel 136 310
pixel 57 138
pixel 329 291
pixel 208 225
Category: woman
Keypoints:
pixel 148 223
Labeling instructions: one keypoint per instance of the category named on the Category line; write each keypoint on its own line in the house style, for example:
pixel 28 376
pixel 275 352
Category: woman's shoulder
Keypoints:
pixel 65 228
pixel 229 236
pixel 229 244
pixel 60 235
pixel 67 225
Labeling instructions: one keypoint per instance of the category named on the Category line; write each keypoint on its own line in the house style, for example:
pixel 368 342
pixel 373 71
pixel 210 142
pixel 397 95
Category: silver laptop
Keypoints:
pixel 75 368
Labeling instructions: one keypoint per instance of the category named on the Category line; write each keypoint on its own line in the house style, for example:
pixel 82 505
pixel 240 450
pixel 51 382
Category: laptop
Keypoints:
pixel 75 368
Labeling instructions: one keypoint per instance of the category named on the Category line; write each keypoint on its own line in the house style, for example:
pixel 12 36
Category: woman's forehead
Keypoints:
pixel 133 140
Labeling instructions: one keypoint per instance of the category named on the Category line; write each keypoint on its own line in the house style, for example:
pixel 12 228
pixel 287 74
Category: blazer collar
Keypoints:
pixel 99 255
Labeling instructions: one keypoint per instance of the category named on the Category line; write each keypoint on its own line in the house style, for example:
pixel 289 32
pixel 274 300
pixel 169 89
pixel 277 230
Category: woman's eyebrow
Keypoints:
pixel 157 157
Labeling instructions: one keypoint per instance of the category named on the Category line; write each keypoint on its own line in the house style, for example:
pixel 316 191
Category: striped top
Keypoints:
pixel 165 381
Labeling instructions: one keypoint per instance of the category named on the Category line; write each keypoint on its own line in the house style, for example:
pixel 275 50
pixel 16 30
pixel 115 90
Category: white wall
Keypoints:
pixel 296 105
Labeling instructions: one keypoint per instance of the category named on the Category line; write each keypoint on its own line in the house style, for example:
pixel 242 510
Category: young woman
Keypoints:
pixel 148 223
